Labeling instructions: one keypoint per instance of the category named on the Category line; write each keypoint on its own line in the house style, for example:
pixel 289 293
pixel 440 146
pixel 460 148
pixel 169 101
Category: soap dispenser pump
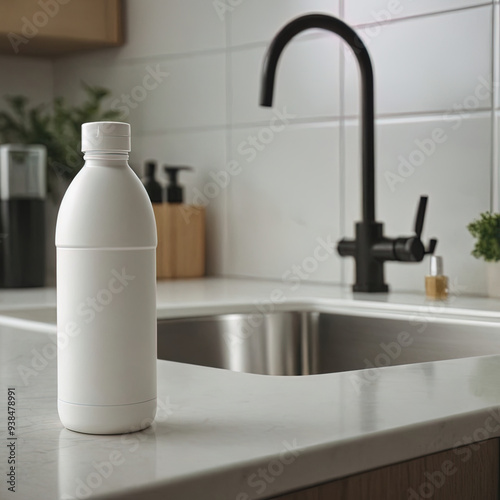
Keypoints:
pixel 153 187
pixel 175 192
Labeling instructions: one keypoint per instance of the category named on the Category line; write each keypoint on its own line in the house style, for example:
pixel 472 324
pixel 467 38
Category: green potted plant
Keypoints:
pixel 486 230
pixel 58 128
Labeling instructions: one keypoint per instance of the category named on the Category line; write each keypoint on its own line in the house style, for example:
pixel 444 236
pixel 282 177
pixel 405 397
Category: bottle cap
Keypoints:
pixel 106 136
pixel 436 265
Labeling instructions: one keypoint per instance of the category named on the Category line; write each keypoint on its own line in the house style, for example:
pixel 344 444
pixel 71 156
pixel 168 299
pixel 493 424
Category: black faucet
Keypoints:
pixel 370 248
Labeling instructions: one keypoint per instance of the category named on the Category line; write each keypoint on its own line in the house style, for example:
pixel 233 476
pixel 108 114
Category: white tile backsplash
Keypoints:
pixel 426 64
pixel 159 27
pixel 307 85
pixel 495 178
pixel 254 21
pixel 301 182
pixel 27 76
pixel 496 54
pixel 379 11
pixel 285 198
pixel 159 95
pixel 426 156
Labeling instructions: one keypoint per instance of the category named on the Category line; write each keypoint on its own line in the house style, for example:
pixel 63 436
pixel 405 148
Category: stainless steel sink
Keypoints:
pixel 304 343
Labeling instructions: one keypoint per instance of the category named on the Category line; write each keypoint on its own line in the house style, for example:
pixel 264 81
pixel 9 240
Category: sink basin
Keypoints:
pixel 305 343
pixel 311 342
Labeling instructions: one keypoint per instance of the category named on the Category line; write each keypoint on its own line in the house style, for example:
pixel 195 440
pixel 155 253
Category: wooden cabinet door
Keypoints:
pixel 52 27
pixel 466 473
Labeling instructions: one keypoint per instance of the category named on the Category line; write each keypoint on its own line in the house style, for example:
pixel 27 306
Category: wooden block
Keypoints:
pixel 189 237
pixel 164 230
pixel 181 240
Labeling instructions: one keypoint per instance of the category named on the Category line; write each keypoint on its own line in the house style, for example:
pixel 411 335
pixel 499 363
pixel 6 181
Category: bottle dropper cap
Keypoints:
pixel 436 265
pixel 106 136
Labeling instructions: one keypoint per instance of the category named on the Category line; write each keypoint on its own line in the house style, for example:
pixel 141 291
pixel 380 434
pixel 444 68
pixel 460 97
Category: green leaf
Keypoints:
pixel 57 126
pixel 486 230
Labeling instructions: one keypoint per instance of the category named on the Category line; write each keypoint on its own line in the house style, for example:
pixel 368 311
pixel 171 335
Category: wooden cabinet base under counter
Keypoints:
pixel 465 473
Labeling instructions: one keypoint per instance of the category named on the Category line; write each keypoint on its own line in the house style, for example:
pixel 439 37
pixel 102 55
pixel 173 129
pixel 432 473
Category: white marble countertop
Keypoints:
pixel 225 295
pixel 226 435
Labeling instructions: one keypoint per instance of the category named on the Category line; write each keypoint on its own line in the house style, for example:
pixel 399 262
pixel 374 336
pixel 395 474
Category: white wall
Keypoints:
pixel 26 76
pixel 299 180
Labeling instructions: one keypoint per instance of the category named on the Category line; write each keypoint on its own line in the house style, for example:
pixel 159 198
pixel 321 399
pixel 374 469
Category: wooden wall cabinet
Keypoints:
pixel 465 473
pixel 55 27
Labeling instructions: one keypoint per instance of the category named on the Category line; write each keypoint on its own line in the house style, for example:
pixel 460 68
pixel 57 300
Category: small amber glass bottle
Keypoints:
pixel 436 284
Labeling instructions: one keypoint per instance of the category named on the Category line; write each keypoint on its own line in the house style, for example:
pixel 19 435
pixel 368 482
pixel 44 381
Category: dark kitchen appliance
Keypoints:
pixel 22 215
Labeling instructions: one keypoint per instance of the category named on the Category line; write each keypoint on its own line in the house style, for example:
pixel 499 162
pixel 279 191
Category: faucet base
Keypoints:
pixel 369 270
pixel 371 288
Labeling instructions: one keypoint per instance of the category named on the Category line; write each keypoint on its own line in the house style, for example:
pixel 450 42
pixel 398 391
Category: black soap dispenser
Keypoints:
pixel 174 190
pixel 153 187
pixel 181 232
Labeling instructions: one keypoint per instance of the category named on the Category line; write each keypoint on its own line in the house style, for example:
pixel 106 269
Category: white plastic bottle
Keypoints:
pixel 106 291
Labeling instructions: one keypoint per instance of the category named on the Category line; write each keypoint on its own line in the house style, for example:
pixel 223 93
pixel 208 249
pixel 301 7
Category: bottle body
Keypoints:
pixel 106 292
pixel 106 316
pixel 436 283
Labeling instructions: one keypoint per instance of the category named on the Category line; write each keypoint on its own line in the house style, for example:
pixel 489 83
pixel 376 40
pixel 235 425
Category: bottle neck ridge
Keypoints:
pixel 104 158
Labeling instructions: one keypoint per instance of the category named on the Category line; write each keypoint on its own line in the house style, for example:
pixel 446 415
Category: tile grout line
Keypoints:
pixel 317 122
pixel 228 141
pixel 342 147
pixel 494 174
pixel 439 114
pixel 160 58
pixel 421 16
pixel 257 44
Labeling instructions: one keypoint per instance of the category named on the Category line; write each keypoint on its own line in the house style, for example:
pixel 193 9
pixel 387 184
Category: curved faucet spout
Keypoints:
pixel 370 248
pixel 338 27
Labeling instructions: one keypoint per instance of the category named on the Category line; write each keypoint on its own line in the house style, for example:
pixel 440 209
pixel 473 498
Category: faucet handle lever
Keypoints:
pixel 419 225
pixel 419 220
pixel 432 246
